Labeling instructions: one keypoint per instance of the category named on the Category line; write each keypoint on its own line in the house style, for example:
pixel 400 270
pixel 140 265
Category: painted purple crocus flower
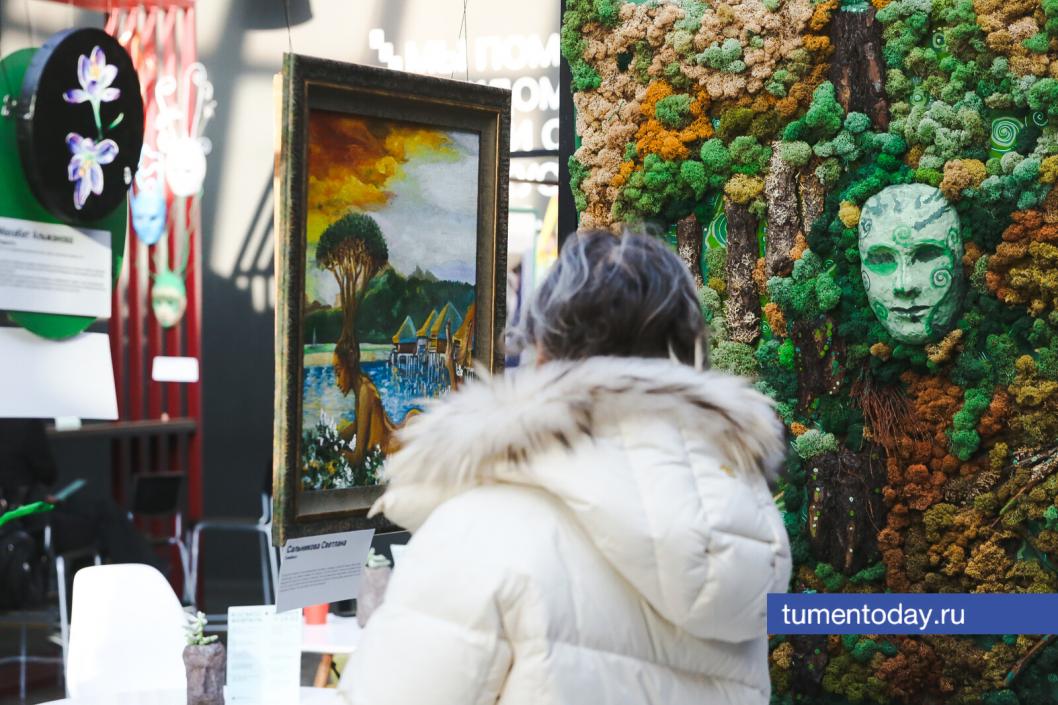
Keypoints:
pixel 86 165
pixel 95 76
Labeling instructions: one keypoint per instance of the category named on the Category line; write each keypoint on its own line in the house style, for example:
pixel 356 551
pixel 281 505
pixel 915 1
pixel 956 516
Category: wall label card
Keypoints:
pixel 52 268
pixel 264 656
pixel 320 569
pixel 174 369
pixel 47 379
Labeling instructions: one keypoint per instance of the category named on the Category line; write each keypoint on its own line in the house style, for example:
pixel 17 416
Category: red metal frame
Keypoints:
pixel 112 5
pixel 136 337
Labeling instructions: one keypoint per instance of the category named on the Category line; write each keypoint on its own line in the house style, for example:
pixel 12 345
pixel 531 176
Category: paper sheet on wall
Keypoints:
pixel 322 569
pixel 52 268
pixel 174 369
pixel 264 656
pixel 47 379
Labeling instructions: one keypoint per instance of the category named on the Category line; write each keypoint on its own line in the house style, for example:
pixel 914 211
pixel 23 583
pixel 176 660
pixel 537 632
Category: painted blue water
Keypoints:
pixel 399 393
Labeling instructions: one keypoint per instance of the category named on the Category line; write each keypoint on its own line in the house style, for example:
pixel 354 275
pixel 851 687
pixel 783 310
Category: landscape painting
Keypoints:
pixel 390 268
pixel 391 241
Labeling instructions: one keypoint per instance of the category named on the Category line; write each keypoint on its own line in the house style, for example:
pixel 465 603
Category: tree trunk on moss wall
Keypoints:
pixel 743 302
pixel 812 197
pixel 845 511
pixel 811 382
pixel 808 664
pixel 689 246
pixel 857 69
pixel 780 190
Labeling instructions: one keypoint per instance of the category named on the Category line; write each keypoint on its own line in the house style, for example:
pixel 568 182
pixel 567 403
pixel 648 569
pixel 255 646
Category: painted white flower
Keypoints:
pixel 95 76
pixel 86 165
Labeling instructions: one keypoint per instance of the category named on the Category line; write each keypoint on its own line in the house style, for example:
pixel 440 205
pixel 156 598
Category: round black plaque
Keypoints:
pixel 80 127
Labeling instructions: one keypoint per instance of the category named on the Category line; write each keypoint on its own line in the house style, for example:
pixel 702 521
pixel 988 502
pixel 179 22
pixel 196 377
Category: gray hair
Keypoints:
pixel 626 296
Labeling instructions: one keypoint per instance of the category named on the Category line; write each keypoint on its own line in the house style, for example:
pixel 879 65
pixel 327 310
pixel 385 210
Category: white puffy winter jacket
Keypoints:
pixel 595 533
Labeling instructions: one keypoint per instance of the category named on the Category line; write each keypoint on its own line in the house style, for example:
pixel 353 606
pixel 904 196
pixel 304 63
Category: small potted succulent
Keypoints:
pixel 372 586
pixel 204 660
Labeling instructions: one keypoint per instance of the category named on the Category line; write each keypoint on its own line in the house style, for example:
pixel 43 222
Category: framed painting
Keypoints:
pixel 391 237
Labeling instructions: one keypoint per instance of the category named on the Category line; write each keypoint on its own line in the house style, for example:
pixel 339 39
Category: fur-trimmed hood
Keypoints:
pixel 655 460
pixel 463 438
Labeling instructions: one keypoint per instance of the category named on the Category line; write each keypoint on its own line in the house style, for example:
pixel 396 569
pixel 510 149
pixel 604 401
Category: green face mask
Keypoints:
pixel 911 261
pixel 168 298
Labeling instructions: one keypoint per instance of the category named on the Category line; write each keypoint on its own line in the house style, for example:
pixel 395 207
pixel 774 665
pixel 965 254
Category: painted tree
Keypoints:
pixel 354 251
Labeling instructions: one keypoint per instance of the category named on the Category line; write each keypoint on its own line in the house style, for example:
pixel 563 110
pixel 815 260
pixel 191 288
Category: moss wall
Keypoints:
pixel 913 467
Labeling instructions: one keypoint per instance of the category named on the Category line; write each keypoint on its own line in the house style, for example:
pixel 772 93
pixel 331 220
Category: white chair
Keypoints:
pixel 126 632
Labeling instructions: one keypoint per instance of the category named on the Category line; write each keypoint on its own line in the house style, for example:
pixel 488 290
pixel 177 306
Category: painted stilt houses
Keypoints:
pixel 406 337
pixel 464 339
pixel 445 323
pixel 422 352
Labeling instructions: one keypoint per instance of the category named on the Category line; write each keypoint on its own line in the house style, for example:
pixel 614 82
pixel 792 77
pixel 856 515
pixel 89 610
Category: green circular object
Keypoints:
pixel 17 201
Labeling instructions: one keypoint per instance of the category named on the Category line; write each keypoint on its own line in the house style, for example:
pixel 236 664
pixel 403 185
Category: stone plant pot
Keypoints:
pixel 206 670
pixel 372 592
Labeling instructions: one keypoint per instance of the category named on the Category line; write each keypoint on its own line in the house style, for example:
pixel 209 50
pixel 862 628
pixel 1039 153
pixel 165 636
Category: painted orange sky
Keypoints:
pixel 405 176
pixel 351 161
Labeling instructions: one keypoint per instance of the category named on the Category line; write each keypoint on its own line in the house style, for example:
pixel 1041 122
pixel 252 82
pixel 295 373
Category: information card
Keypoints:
pixel 322 569
pixel 53 378
pixel 51 268
pixel 264 656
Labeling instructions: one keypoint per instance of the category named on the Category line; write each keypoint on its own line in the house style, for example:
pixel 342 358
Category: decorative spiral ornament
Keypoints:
pixel 1005 132
pixel 953 238
pixel 866 281
pixel 941 278
pixel 918 97
pixel 718 228
pixel 1039 118
pixel 938 41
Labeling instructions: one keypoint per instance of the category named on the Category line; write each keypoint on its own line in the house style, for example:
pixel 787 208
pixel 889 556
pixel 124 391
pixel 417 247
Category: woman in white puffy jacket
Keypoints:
pixel 596 529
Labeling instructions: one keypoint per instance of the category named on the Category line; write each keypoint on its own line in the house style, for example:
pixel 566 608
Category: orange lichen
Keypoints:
pixel 782 655
pixel 742 189
pixel 817 43
pixel 913 674
pixel 917 470
pixel 1006 25
pixel 1036 416
pixel 849 214
pixel 914 155
pixel 961 174
pixel 821 14
pixel 993 421
pixel 776 320
pixel 760 277
pixel 881 351
pixel 942 351
pixel 644 53
pixel 622 174
pixel 1049 169
pixel 1024 268
pixel 653 137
